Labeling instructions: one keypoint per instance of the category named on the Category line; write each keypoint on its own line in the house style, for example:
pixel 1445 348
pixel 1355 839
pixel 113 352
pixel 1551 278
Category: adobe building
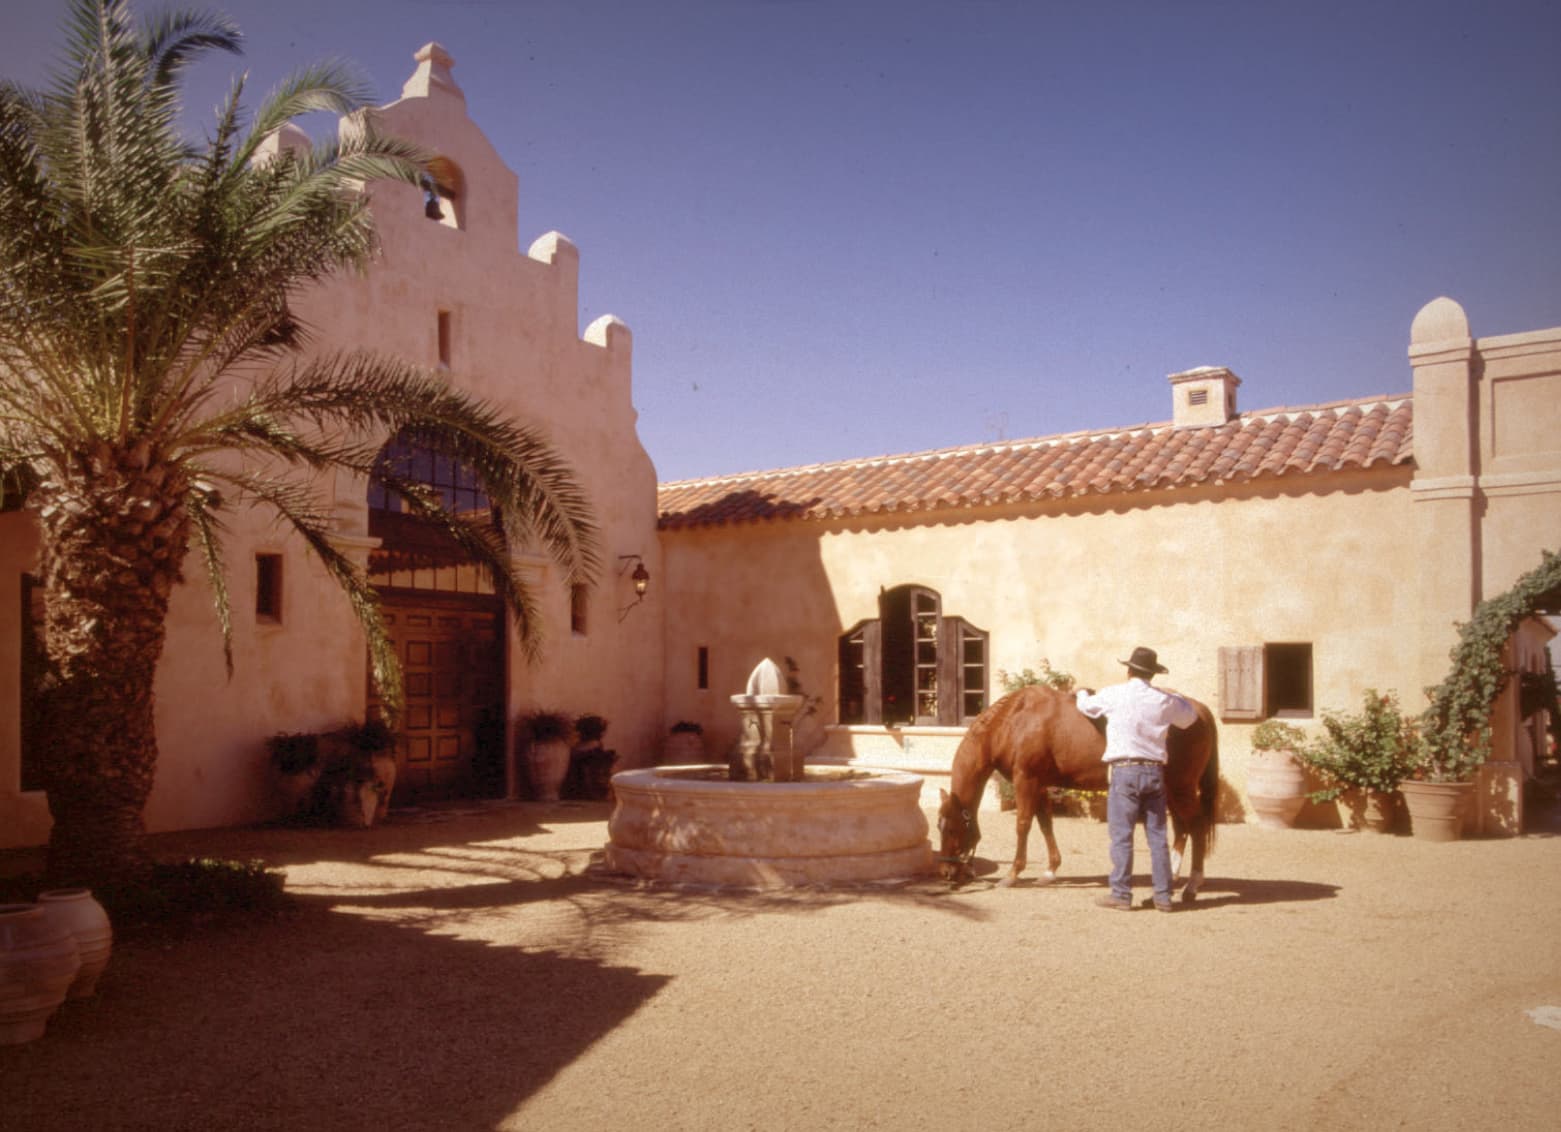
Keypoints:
pixel 452 291
pixel 1281 561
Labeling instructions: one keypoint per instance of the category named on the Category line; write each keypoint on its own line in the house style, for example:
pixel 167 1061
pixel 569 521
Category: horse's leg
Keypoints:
pixel 1053 854
pixel 1024 811
pixel 1177 848
pixel 1200 837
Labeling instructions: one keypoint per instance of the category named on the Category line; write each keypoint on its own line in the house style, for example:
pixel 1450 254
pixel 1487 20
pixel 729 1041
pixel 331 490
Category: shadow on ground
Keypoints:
pixel 1217 891
pixel 318 1020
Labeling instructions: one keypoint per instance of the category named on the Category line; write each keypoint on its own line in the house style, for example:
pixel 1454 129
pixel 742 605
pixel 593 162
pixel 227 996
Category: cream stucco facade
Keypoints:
pixel 1368 565
pixel 459 296
pixel 1370 568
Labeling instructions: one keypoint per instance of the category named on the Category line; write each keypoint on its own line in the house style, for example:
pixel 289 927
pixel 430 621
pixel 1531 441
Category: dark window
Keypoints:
pixel 444 339
pixel 704 668
pixel 1287 678
pixel 579 602
pixel 268 587
pixel 912 665
pixel 1260 681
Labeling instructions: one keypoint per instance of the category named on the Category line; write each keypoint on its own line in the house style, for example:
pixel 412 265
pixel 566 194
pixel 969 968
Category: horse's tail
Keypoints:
pixel 1209 789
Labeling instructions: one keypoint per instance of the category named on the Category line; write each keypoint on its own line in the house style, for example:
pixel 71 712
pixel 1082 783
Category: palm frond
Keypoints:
pixel 172 39
pixel 207 529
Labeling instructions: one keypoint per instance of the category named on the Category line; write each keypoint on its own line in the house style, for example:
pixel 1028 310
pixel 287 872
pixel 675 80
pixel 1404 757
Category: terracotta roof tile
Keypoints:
pixel 1311 440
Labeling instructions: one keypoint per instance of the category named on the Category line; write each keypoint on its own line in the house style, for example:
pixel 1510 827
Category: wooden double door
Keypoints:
pixel 451 649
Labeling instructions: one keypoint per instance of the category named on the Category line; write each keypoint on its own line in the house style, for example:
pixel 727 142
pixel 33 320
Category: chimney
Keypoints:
pixel 1203 397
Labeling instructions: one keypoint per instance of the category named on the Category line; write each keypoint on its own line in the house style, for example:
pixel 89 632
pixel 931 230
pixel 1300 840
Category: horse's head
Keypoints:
pixel 959 832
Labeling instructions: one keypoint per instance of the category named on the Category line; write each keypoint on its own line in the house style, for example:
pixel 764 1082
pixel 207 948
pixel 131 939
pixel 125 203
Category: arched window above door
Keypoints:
pixel 415 552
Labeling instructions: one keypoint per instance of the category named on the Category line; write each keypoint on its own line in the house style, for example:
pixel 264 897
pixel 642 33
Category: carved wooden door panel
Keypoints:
pixel 452 662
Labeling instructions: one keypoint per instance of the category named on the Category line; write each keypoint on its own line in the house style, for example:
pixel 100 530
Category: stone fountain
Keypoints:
pixel 765 820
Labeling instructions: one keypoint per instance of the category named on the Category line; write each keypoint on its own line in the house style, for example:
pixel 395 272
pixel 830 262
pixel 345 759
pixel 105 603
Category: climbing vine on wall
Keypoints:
pixel 1456 728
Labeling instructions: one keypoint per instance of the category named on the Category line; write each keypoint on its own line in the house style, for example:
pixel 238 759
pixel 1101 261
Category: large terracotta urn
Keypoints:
pixel 38 962
pixel 79 913
pixel 684 748
pixel 1436 809
pixel 1276 787
pixel 548 760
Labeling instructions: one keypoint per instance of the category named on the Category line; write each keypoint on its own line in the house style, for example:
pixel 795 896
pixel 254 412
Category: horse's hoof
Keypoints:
pixel 1189 895
pixel 1047 877
pixel 1006 882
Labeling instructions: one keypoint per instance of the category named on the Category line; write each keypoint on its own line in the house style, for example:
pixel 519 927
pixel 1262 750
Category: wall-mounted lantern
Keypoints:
pixel 640 578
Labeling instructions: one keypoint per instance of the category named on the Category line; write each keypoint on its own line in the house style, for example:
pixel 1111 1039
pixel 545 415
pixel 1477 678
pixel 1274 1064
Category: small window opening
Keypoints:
pixel 579 603
pixel 268 588
pixel 444 339
pixel 704 668
pixel 1287 672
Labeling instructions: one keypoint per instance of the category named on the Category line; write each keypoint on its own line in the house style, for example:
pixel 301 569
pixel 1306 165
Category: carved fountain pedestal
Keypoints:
pixel 764 820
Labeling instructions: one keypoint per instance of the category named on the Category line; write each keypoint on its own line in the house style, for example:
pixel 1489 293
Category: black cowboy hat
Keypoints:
pixel 1144 660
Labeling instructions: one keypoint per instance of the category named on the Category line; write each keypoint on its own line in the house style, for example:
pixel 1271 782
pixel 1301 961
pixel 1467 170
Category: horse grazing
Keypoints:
pixel 1038 738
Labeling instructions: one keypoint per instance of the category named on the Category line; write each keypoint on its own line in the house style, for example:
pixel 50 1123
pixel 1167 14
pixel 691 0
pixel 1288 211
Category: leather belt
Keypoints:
pixel 1136 762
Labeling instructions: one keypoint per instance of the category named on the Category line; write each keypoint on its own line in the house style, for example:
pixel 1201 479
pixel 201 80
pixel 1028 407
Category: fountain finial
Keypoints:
pixel 766 679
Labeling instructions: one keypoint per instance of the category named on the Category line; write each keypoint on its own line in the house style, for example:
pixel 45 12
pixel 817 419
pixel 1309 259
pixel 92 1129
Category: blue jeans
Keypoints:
pixel 1138 794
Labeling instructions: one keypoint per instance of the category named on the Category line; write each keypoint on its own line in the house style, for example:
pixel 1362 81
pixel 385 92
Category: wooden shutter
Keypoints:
pixel 1241 682
pixel 948 671
pixel 872 672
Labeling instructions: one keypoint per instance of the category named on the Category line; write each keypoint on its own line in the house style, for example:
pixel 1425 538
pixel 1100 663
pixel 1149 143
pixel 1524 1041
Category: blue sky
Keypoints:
pixel 843 229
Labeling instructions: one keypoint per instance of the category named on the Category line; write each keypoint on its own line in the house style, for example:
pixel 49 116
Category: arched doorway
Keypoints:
pixel 448 628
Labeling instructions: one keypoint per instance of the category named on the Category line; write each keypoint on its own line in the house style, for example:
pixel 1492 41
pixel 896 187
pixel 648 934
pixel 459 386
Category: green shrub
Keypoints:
pixel 1372 749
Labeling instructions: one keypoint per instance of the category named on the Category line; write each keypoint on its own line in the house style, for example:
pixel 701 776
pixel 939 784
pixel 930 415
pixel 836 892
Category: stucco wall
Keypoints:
pixel 1078 585
pixel 516 342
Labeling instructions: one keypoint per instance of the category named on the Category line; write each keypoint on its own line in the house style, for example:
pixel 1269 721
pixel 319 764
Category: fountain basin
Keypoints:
pixel 691 825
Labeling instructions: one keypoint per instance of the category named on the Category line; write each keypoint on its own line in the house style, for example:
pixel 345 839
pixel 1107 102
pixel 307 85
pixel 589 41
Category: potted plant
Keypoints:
pixel 359 772
pixel 1455 728
pixel 295 757
pixel 547 734
pixel 1276 777
pixel 1370 751
pixel 590 766
pixel 685 744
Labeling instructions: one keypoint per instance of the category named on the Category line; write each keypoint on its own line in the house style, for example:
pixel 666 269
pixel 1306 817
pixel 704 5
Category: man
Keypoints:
pixel 1138 718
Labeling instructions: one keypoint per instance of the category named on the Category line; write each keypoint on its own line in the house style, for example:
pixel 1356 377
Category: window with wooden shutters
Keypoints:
pixel 912 665
pixel 1262 681
pixel 1241 682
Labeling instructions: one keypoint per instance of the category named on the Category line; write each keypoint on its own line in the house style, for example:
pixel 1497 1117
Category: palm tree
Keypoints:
pixel 151 379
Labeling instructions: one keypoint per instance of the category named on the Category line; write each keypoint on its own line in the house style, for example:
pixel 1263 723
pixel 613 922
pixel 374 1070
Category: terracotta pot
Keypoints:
pixel 385 776
pixel 1276 787
pixel 38 962
pixel 549 764
pixel 1381 811
pixel 76 910
pixel 684 748
pixel 296 791
pixel 1436 809
pixel 357 801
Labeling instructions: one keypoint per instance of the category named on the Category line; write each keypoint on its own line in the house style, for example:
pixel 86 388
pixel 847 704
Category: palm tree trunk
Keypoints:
pixel 114 537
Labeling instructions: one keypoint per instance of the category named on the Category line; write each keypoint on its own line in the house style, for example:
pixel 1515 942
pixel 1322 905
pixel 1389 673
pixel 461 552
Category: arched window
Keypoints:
pixel 912 664
pixel 415 553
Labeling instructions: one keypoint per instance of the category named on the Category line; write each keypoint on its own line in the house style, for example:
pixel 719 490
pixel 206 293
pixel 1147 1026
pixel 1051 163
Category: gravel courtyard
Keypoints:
pixel 468 969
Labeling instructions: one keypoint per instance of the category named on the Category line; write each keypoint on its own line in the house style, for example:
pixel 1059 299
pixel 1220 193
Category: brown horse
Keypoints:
pixel 1038 738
